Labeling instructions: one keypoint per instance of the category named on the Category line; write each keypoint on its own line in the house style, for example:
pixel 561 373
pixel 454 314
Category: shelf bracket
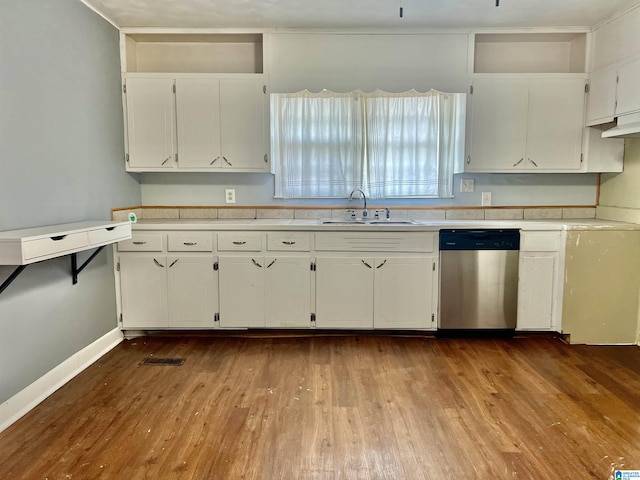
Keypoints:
pixel 12 277
pixel 74 263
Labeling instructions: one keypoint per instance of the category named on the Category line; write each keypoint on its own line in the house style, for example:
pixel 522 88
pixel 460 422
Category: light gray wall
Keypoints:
pixel 61 161
pixel 344 62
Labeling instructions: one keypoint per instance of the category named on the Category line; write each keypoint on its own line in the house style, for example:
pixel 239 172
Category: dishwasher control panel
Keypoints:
pixel 479 239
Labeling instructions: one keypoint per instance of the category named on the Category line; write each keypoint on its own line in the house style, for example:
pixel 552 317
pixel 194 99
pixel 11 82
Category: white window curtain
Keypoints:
pixel 317 143
pixel 412 142
pixel 391 145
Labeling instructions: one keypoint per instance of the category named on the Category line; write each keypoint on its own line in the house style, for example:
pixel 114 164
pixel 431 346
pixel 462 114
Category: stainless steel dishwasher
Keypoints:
pixel 478 281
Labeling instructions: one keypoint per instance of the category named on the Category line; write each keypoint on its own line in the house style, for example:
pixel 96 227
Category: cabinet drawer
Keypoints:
pixel 295 242
pixel 54 245
pixel 190 242
pixel 244 241
pixel 109 234
pixel 376 242
pixel 143 242
pixel 540 242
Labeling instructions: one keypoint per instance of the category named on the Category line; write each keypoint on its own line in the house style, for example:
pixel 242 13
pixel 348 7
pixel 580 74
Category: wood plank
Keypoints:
pixel 354 406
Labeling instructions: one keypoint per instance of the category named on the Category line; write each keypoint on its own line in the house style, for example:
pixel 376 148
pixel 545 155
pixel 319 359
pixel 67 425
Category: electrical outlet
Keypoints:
pixel 486 199
pixel 466 185
pixel 230 195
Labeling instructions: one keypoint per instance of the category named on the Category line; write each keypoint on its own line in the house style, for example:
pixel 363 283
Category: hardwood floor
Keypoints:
pixel 337 407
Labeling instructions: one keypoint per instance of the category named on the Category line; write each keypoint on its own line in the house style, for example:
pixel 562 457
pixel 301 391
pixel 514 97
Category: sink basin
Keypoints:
pixel 341 221
pixel 360 221
pixel 393 222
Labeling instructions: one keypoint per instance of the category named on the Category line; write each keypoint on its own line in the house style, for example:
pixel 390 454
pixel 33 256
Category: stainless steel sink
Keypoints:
pixel 393 222
pixel 360 221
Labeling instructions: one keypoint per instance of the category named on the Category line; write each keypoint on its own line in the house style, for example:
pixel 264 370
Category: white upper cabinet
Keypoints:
pixel 195 102
pixel 601 101
pixel 221 124
pixel 151 130
pixel 555 123
pixel 242 107
pixel 628 94
pixel 198 115
pixel 526 124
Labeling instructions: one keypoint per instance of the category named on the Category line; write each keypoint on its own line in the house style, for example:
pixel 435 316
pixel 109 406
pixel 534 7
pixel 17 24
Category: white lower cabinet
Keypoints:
pixel 288 291
pixel 539 288
pixel 265 291
pixel 192 292
pixel 344 292
pixel 404 292
pixel 390 292
pixel 167 291
pixel 241 289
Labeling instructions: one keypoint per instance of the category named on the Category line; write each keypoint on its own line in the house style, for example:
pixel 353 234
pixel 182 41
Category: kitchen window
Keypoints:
pixel 392 145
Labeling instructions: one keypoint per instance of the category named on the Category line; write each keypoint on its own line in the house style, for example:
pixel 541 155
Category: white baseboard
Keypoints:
pixel 28 398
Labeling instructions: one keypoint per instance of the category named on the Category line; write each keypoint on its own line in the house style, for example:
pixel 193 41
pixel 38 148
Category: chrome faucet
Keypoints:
pixel 365 212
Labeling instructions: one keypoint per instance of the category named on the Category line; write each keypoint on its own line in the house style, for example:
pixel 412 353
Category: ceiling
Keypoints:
pixel 266 14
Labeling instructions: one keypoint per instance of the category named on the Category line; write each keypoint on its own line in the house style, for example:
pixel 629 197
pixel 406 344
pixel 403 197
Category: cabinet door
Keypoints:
pixel 242 124
pixel 344 292
pixel 241 291
pixel 498 124
pixel 151 130
pixel 198 122
pixel 556 117
pixel 288 291
pixel 404 292
pixel 143 284
pixel 628 88
pixel 192 292
pixel 601 101
pixel 536 288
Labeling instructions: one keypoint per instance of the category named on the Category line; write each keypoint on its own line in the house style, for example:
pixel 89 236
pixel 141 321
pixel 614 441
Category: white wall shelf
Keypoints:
pixel 32 245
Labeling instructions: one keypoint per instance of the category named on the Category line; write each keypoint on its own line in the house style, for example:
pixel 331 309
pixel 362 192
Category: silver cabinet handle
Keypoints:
pixel 189 244
pixel 518 162
pixel 256 263
pixel 239 243
pixel 271 264
pixel 139 243
pixel 174 262
pixel 214 160
pixel 379 266
pixel 366 264
pixel 288 243
pixel 534 163
pixel 227 161
pixel 158 263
